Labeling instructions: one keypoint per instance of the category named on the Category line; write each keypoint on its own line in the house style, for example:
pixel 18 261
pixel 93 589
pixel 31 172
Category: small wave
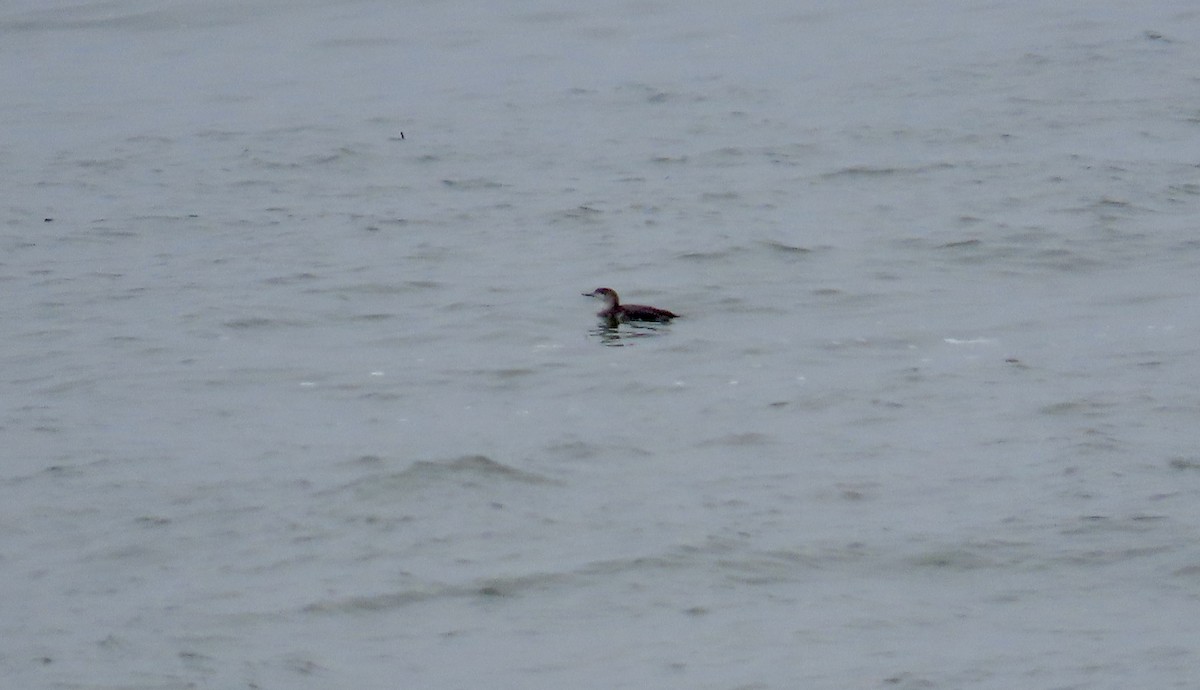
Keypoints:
pixel 261 322
pixel 469 468
pixel 785 248
pixel 713 255
pixel 884 171
pixel 960 244
pixel 472 183
pixel 577 214
pixel 730 559
pixel 501 374
pixel 467 471
pixel 750 438
pixel 376 288
pixel 374 602
pixel 1184 463
pixel 1085 408
pixel 292 278
pixel 954 559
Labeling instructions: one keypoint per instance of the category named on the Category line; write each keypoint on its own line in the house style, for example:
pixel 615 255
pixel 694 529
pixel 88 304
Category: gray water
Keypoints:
pixel 301 390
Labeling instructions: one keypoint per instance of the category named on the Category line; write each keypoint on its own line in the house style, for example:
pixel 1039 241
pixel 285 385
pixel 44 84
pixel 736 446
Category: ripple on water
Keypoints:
pixel 469 471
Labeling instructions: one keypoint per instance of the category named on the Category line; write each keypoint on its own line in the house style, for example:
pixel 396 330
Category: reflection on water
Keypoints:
pixel 611 333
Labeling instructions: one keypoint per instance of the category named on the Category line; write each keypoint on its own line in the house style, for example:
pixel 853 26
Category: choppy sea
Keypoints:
pixel 300 390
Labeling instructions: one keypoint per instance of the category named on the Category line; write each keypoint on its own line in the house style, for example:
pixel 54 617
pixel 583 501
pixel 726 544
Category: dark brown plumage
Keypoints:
pixel 615 312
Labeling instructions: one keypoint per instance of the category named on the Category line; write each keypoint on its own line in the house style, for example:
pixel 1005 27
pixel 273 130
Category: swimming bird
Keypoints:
pixel 615 312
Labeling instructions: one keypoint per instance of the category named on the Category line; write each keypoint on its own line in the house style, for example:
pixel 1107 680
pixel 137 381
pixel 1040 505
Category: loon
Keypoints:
pixel 615 312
